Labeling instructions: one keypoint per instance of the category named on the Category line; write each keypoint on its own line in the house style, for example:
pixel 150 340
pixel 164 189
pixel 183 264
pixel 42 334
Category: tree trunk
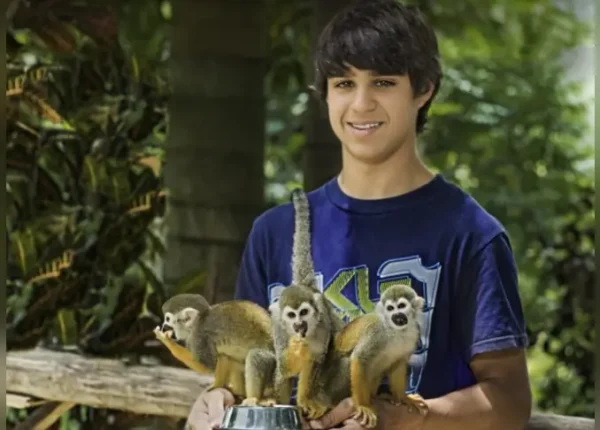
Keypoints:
pixel 322 157
pixel 214 168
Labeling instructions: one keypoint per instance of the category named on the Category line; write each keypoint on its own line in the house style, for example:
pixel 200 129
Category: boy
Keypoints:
pixel 386 218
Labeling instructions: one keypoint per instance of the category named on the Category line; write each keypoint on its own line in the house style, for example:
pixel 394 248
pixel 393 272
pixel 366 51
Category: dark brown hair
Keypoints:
pixel 383 36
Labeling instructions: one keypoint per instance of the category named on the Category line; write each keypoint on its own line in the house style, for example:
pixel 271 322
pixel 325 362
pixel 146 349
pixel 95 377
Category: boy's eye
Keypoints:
pixel 343 84
pixel 384 83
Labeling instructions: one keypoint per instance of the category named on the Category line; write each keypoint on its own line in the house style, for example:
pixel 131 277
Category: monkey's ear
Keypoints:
pixel 379 307
pixel 418 303
pixel 274 309
pixel 319 299
pixel 188 315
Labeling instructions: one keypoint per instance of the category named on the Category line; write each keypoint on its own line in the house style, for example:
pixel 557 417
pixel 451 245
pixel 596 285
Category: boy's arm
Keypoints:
pixel 501 399
pixel 492 335
pixel 491 332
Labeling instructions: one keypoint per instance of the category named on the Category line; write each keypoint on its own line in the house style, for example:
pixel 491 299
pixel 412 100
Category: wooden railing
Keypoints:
pixel 64 379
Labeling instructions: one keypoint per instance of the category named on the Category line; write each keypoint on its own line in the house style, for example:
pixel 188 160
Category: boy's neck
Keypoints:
pixel 401 173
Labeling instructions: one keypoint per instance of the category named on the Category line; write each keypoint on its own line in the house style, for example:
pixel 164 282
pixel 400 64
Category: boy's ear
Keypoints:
pixel 423 98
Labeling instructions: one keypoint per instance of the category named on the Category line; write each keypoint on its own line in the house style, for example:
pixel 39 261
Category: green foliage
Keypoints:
pixel 287 95
pixel 507 128
pixel 86 129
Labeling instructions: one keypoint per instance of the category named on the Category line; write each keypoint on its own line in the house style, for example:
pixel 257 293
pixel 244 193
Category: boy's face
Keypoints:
pixel 372 115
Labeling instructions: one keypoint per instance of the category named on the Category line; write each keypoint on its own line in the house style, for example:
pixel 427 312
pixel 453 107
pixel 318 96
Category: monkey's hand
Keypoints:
pixel 298 349
pixel 415 401
pixel 312 409
pixel 181 353
pixel 296 356
pixel 365 416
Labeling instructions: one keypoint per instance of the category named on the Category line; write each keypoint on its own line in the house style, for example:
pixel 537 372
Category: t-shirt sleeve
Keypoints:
pixel 488 305
pixel 252 279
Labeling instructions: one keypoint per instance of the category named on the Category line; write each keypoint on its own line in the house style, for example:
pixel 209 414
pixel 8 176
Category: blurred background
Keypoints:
pixel 144 136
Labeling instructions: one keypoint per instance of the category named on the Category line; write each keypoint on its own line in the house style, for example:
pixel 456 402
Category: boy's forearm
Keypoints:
pixel 484 406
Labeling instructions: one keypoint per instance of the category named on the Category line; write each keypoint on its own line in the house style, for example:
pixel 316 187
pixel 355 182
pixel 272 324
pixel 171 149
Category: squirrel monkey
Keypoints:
pixel 232 340
pixel 381 343
pixel 303 324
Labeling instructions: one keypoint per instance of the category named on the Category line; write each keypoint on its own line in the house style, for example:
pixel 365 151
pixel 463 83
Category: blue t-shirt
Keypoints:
pixel 437 239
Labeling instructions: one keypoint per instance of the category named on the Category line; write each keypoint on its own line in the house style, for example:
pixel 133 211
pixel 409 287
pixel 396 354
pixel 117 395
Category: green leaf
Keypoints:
pixel 67 326
pixel 23 250
pixel 192 282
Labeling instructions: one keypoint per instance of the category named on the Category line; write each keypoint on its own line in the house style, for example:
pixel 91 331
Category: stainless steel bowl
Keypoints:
pixel 279 417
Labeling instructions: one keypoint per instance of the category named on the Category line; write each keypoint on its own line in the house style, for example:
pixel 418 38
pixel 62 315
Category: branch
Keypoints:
pixel 154 390
pixel 539 421
pixel 103 383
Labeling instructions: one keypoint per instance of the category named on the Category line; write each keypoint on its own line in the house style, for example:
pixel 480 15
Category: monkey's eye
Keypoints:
pixel 303 312
pixel 168 318
pixel 291 314
pixel 402 305
pixel 390 308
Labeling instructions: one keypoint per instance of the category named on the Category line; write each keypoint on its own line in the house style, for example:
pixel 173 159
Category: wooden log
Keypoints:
pixel 541 421
pixel 18 401
pixel 154 390
pixel 103 383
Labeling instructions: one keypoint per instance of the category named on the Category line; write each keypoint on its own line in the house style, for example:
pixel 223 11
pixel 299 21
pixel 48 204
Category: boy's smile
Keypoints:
pixel 364 129
pixel 371 114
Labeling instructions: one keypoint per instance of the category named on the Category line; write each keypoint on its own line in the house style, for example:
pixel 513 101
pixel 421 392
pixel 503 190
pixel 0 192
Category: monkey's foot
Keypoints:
pixel 253 401
pixel 312 409
pixel 268 403
pixel 250 401
pixel 365 416
pixel 415 401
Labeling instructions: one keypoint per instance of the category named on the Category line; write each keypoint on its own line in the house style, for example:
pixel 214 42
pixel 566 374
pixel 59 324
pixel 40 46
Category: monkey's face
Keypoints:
pixel 300 320
pixel 297 311
pixel 180 323
pixel 399 312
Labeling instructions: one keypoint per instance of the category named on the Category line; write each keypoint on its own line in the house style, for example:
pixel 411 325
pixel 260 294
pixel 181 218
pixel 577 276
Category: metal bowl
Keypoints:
pixel 279 417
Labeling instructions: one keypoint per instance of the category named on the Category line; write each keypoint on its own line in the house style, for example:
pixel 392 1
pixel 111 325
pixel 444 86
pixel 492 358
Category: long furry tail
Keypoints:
pixel 303 272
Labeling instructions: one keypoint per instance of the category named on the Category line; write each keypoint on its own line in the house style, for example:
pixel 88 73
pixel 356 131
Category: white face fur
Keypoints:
pixel 299 321
pixel 181 322
pixel 397 313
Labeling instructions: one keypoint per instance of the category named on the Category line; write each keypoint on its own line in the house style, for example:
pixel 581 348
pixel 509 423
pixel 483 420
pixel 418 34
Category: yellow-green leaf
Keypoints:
pixel 23 249
pixel 67 326
pixel 190 283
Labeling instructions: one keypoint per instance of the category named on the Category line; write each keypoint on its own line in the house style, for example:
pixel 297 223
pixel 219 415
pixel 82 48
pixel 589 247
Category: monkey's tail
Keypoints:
pixel 303 272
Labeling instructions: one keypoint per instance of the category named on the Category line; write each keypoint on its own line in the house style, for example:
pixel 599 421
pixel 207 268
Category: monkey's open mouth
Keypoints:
pixel 301 328
pixel 168 330
pixel 400 319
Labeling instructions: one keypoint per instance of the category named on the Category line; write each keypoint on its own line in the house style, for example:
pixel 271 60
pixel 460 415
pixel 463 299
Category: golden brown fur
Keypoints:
pixel 221 338
pixel 380 344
